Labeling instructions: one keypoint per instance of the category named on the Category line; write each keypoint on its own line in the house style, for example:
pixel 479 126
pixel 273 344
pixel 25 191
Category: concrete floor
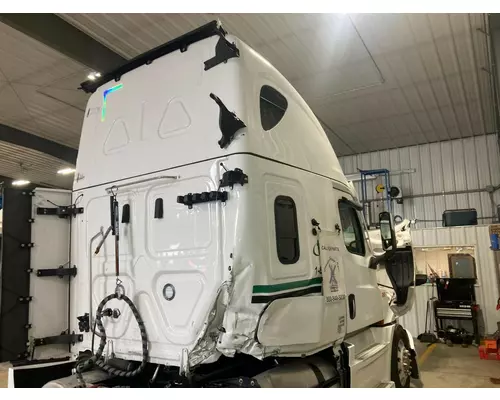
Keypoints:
pixel 453 367
pixel 440 366
pixel 3 374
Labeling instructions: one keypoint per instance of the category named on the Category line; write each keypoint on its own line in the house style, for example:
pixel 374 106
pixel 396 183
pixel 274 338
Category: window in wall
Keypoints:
pixel 287 232
pixel 273 106
pixel 351 228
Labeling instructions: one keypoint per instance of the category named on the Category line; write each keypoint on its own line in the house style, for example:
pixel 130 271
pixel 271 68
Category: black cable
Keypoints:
pixel 97 358
pixel 93 336
pixel 51 202
pixel 388 287
pixel 57 205
pixel 76 200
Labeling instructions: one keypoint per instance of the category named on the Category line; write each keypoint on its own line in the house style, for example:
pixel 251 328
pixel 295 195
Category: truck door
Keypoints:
pixel 334 285
pixel 363 295
pixel 48 335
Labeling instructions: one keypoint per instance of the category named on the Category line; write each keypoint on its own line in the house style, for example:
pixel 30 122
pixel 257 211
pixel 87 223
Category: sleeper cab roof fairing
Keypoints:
pixel 180 43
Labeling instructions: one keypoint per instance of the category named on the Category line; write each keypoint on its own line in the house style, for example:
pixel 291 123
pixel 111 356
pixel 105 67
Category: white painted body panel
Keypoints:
pixel 48 309
pixel 162 122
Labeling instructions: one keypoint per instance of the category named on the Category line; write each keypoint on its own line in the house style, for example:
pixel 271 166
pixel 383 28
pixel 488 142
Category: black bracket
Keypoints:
pixel 205 197
pixel 26 245
pixel 60 272
pixel 59 339
pixel 84 322
pixel 229 123
pixel 224 50
pixel 61 212
pixel 230 178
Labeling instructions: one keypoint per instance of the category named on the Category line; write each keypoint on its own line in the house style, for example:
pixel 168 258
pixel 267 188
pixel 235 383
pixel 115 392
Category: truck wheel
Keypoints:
pixel 400 358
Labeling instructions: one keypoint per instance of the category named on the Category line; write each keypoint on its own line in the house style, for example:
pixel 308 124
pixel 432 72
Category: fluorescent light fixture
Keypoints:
pixel 94 75
pixel 20 182
pixel 66 171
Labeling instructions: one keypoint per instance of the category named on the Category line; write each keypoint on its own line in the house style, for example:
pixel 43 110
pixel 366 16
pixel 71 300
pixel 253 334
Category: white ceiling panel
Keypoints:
pixel 20 163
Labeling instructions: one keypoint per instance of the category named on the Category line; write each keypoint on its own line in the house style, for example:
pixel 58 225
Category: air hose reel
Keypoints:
pixel 97 359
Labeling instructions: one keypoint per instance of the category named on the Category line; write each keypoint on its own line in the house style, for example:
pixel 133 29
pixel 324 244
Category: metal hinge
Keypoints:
pixel 61 212
pixel 60 272
pixel 59 339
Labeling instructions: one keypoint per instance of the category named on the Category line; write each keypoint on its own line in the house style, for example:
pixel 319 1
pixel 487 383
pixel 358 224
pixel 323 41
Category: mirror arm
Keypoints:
pixel 375 260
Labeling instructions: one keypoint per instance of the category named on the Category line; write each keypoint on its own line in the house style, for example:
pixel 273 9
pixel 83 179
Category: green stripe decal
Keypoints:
pixel 287 286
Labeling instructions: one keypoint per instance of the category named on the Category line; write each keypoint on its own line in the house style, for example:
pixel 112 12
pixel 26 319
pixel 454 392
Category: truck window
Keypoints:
pixel 287 232
pixel 273 106
pixel 351 228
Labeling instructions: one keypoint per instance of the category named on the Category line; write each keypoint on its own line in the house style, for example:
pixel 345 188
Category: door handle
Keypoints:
pixel 352 306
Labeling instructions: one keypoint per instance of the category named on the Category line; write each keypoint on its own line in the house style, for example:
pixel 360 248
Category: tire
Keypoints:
pixel 399 340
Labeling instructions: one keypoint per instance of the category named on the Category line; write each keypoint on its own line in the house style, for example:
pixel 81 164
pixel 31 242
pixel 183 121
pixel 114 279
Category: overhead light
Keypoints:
pixel 20 182
pixel 94 75
pixel 66 171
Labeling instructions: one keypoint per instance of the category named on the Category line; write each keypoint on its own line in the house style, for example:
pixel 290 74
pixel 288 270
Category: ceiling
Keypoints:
pixel 375 81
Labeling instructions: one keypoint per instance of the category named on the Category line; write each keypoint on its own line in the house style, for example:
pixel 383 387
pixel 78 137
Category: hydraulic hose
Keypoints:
pixel 97 358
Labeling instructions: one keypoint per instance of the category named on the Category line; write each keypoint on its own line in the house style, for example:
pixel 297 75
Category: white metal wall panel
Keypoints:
pixel 486 289
pixel 444 167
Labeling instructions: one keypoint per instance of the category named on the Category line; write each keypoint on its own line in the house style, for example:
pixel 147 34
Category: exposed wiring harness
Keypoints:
pixel 97 358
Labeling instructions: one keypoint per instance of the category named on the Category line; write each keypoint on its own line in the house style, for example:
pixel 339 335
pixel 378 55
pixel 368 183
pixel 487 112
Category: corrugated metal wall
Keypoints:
pixel 468 164
pixel 486 288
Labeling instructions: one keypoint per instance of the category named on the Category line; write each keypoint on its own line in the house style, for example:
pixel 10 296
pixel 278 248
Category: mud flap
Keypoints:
pixel 415 372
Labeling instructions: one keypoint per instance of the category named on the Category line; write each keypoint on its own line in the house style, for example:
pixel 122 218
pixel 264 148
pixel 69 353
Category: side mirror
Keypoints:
pixel 420 279
pixel 388 237
pixel 387 231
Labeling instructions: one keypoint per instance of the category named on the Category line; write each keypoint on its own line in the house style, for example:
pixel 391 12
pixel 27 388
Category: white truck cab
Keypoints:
pixel 216 238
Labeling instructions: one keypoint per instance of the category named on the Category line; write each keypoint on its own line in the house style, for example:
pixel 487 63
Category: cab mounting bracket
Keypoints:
pixel 229 123
pixel 224 50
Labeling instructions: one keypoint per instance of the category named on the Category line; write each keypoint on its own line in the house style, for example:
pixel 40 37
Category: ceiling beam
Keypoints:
pixel 20 138
pixel 60 35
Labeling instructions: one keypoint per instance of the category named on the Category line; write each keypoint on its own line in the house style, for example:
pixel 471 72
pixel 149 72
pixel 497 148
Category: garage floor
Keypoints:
pixel 441 367
pixel 452 367
pixel 3 374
